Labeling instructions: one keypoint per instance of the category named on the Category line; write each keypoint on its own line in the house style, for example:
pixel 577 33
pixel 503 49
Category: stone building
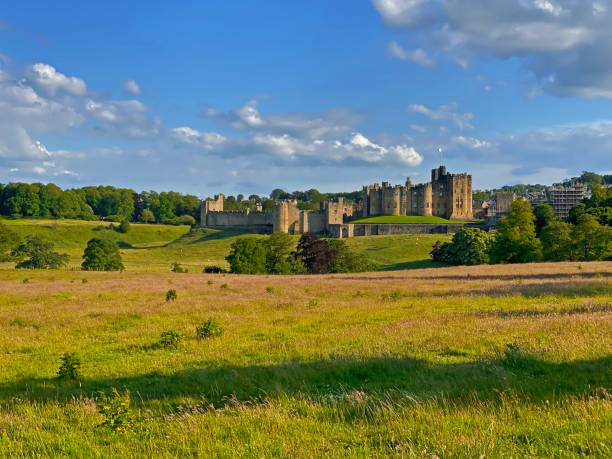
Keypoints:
pixel 447 195
pixel 286 217
pixel 563 198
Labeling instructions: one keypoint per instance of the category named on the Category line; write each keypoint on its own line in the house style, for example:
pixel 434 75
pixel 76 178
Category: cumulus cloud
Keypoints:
pixel 301 125
pixel 131 87
pixel 445 112
pixel 565 44
pixel 45 78
pixel 418 56
pixel 206 140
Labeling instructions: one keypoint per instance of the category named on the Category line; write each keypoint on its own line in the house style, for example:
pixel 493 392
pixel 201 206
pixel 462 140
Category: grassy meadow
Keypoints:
pixel 495 361
pixel 156 247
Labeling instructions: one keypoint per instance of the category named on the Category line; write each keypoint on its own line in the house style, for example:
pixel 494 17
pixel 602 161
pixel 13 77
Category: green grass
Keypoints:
pixel 493 361
pixel 407 219
pixel 156 247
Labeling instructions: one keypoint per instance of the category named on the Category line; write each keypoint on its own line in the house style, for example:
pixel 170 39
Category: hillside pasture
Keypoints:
pixel 155 247
pixel 496 361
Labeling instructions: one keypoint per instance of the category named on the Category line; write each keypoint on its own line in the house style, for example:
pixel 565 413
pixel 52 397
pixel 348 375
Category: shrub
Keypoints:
pixel 115 409
pixel 102 254
pixel 186 220
pixel 209 329
pixel 171 339
pixel 35 252
pixel 124 226
pixel 171 295
pixel 347 261
pixel 178 268
pixel 69 368
pixel 247 256
pixel 315 254
pixel 213 270
pixel 469 246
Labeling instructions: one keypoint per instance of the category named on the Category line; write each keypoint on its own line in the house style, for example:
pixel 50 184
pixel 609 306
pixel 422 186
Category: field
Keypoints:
pixel 156 247
pixel 495 361
pixel 407 219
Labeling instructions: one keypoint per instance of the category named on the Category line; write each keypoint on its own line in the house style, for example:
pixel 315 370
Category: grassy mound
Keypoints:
pixel 407 219
pixel 493 361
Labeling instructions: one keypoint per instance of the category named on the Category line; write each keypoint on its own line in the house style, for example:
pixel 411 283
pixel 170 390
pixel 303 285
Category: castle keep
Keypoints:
pixel 447 195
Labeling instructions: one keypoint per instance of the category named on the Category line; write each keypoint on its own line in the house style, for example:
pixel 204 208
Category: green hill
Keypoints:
pixel 155 247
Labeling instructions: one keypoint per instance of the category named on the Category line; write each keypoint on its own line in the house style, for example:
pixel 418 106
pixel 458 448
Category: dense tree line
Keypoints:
pixel 277 254
pixel 529 235
pixel 96 202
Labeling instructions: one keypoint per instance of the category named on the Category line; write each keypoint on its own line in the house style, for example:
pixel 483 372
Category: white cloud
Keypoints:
pixel 46 78
pixel 445 112
pixel 417 56
pixel 568 40
pixel 206 140
pixel 131 87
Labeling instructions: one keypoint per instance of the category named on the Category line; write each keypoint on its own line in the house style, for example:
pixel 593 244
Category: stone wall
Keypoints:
pixel 379 229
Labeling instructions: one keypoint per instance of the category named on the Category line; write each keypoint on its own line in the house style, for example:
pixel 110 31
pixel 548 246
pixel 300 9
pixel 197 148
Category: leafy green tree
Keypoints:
pixel 102 254
pixel 124 226
pixel 469 246
pixel 279 258
pixel 575 213
pixel 315 254
pixel 556 240
pixel 544 214
pixel 35 252
pixel 347 261
pixel 515 240
pixel 8 241
pixel 186 220
pixel 591 241
pixel 247 256
pixel 147 216
pixel 277 194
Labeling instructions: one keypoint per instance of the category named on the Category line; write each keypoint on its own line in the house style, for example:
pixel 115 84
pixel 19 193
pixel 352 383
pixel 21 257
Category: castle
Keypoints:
pixel 286 217
pixel 447 195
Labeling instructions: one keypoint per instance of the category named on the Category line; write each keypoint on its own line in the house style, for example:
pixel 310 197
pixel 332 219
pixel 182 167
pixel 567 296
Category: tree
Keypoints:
pixel 591 241
pixel 315 254
pixel 469 246
pixel 247 256
pixel 575 213
pixel 35 252
pixel 515 240
pixel 102 254
pixel 147 216
pixel 8 241
pixel 347 261
pixel 124 226
pixel 556 240
pixel 277 194
pixel 279 255
pixel 544 214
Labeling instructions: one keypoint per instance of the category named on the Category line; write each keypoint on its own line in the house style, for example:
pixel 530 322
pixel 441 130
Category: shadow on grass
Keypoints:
pixel 205 235
pixel 470 277
pixel 528 376
pixel 418 264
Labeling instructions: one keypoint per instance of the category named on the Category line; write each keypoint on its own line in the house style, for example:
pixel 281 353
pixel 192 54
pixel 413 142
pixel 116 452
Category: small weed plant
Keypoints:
pixel 209 329
pixel 69 368
pixel 26 281
pixel 84 281
pixel 270 289
pixel 313 303
pixel 171 295
pixel 393 296
pixel 115 409
pixel 171 339
pixel 224 286
pixel 178 268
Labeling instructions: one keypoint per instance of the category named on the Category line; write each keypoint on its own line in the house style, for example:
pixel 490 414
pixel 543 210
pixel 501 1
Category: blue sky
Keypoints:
pixel 243 97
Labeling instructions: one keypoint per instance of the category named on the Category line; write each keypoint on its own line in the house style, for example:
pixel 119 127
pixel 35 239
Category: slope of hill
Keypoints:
pixel 156 247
